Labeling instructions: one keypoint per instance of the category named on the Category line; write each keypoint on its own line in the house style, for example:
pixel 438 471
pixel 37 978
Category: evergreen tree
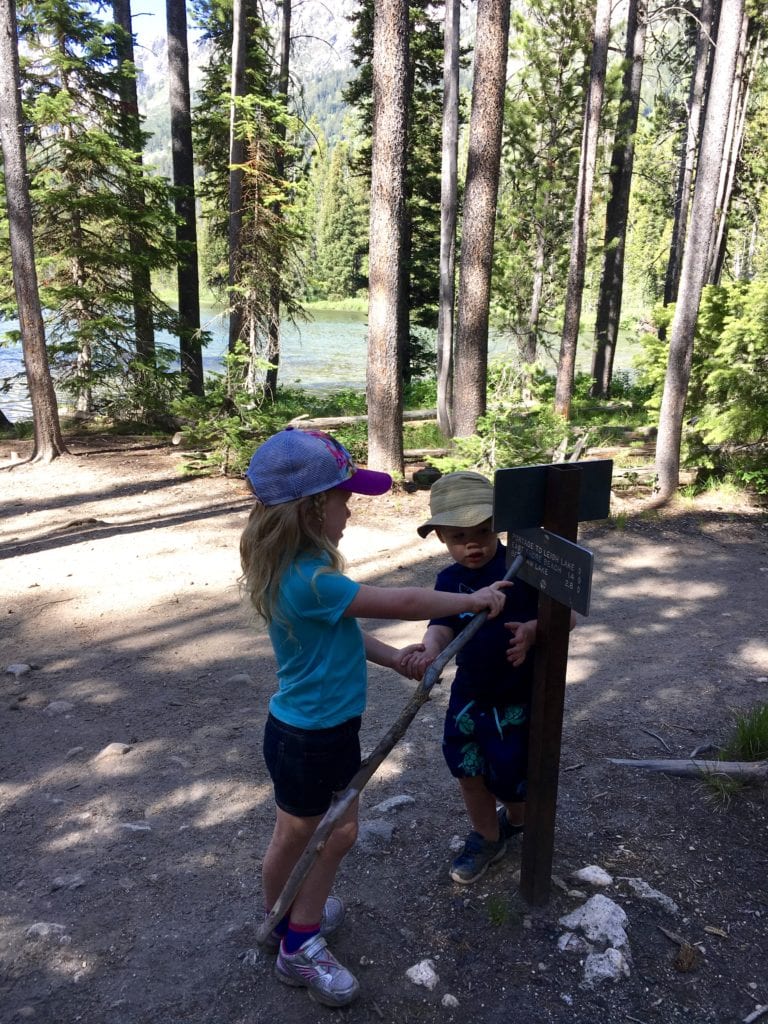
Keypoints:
pixel 90 235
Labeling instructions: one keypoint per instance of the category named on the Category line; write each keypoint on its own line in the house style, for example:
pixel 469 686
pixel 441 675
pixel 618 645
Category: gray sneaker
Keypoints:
pixel 334 913
pixel 476 857
pixel 314 967
pixel 506 829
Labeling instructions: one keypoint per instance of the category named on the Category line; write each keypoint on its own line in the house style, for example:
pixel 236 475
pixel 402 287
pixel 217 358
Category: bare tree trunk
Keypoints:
pixel 236 162
pixel 448 205
pixel 48 442
pixel 141 280
pixel 188 278
pixel 387 235
pixel 696 254
pixel 479 220
pixel 622 160
pixel 575 286
pixel 275 289
pixel 689 150
pixel 734 136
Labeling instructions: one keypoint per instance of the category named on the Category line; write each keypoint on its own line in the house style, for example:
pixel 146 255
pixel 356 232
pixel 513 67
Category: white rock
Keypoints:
pixel 241 677
pixel 593 875
pixel 46 930
pixel 449 1002
pixel 392 802
pixel 113 750
pixel 374 833
pixel 59 707
pixel 135 826
pixel 646 892
pixel 423 973
pixel 73 752
pixel 601 920
pixel 608 966
pixel 18 669
pixel 570 942
pixel 456 845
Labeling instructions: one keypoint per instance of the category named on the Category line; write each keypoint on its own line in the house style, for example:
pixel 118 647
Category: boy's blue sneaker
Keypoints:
pixel 506 829
pixel 334 913
pixel 476 857
pixel 314 967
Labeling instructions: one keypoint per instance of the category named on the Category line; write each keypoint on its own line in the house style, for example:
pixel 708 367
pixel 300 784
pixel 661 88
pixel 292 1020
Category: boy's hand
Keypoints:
pixel 522 640
pixel 412 661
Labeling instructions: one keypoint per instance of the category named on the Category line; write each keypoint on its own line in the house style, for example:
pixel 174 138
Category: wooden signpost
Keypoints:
pixel 540 508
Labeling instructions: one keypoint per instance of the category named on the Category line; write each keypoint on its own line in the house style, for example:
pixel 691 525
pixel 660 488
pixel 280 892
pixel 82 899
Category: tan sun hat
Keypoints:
pixel 459 499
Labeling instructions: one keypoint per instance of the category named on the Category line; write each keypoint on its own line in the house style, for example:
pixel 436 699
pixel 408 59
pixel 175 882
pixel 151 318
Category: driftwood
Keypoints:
pixel 757 771
pixel 342 801
pixel 328 422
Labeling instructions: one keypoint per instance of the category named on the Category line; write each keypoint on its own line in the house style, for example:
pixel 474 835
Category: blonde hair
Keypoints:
pixel 273 538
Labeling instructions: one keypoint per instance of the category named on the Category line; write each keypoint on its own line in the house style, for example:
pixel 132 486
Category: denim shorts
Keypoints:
pixel 491 742
pixel 307 766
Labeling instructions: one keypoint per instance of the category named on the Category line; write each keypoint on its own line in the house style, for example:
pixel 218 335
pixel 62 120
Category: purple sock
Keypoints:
pixel 297 935
pixel 282 925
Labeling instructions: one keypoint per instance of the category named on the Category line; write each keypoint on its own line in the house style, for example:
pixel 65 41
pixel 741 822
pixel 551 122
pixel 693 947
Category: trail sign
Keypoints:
pixel 554 566
pixel 556 497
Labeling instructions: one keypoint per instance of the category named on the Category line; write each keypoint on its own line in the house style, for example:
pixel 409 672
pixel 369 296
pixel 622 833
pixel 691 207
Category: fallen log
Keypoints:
pixel 757 771
pixel 304 422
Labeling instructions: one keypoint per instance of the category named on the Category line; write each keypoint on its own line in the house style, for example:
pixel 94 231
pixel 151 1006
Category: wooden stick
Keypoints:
pixel 342 801
pixel 688 768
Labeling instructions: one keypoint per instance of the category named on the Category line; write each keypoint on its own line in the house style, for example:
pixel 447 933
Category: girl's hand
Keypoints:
pixel 412 661
pixel 491 598
pixel 522 640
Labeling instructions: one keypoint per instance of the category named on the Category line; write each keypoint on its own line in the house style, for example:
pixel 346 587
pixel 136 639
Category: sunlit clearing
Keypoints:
pixel 212 803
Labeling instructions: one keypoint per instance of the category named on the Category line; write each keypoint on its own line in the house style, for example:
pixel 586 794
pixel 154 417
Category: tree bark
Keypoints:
pixel 48 442
pixel 479 220
pixel 622 160
pixel 275 289
pixel 689 150
pixel 387 236
pixel 188 279
pixel 141 279
pixel 734 137
pixel 575 286
pixel 448 205
pixel 236 161
pixel 696 253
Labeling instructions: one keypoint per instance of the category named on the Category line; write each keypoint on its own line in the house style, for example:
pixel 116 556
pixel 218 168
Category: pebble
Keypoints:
pixel 113 750
pixel 18 669
pixel 240 678
pixel 73 752
pixel 374 833
pixel 134 826
pixel 47 930
pixel 58 707
pixel 593 875
pixel 423 973
pixel 651 895
pixel 449 1002
pixel 392 803
pixel 608 966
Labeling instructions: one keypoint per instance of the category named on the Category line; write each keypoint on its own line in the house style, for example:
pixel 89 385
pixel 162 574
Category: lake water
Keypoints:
pixel 324 355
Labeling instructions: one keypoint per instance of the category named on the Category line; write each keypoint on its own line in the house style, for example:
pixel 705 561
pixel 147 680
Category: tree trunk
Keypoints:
pixel 188 280
pixel 575 286
pixel 236 162
pixel 479 220
pixel 387 235
pixel 622 159
pixel 275 289
pixel 448 204
pixel 734 137
pixel 48 442
pixel 689 149
pixel 141 280
pixel 696 253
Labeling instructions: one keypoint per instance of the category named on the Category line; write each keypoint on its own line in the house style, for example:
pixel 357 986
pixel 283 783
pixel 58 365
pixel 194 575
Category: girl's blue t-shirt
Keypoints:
pixel 321 666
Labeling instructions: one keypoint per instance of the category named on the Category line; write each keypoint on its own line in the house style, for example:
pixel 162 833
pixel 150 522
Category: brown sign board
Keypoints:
pixel 519 494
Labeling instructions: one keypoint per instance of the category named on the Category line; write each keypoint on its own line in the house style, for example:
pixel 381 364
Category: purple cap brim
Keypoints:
pixel 367 481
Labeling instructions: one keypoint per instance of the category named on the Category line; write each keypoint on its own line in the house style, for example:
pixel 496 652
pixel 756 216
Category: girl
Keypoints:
pixel 293 574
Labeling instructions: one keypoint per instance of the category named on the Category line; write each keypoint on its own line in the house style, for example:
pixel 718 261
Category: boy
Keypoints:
pixel 485 739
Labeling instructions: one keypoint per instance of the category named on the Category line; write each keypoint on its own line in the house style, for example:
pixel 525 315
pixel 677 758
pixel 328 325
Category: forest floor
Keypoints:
pixel 130 883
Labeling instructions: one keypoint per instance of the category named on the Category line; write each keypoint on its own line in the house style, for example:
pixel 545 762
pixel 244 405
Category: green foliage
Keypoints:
pixel 749 740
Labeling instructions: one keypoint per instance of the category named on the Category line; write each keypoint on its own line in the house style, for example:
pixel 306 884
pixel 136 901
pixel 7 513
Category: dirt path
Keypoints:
pixel 129 889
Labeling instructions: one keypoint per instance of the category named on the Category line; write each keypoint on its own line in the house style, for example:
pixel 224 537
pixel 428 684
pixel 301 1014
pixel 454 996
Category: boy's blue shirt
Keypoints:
pixel 321 666
pixel 483 673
